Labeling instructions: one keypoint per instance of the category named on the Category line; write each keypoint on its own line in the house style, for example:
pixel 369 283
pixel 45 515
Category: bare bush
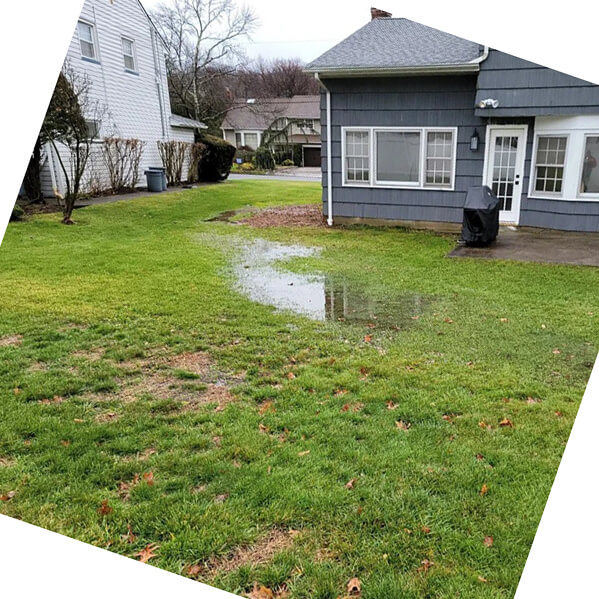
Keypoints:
pixel 173 154
pixel 196 151
pixel 122 158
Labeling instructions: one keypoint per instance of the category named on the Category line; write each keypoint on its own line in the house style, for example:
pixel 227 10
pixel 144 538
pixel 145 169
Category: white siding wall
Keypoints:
pixel 136 105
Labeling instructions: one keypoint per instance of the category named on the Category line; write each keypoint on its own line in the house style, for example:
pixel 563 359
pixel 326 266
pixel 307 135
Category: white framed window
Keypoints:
pixel 251 139
pixel 87 40
pixel 356 160
pixel 93 129
pixel 128 46
pixel 589 177
pixel 439 159
pixel 399 157
pixel 550 164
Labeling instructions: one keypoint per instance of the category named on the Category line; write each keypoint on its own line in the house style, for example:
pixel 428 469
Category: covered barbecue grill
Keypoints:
pixel 481 216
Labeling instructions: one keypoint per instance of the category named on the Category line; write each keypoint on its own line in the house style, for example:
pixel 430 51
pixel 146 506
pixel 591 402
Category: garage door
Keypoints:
pixel 311 156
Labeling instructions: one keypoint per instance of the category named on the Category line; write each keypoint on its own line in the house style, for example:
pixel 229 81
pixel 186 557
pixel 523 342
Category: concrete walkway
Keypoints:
pixel 538 245
pixel 108 199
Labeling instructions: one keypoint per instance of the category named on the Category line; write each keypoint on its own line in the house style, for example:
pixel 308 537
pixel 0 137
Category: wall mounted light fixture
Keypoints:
pixel 474 141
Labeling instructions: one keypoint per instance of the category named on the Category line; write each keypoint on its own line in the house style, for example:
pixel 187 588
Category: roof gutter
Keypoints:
pixel 329 153
pixel 483 57
pixel 469 67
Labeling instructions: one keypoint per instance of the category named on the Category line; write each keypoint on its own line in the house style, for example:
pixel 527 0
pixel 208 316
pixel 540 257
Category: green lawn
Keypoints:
pixel 126 351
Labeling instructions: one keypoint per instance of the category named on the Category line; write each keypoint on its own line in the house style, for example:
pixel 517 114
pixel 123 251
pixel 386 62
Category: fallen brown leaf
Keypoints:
pixel 391 405
pixel 149 478
pixel 105 509
pixel 290 376
pixel 8 496
pixel 193 570
pixel 303 453
pixel 129 537
pixel 506 422
pixel 484 489
pixel 261 592
pixel 426 530
pixel 350 484
pixel 147 553
pixel 367 338
pixel 425 565
pixel 403 426
pixel 354 587
pixel 488 542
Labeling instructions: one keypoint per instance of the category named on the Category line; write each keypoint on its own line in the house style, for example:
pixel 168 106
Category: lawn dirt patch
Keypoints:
pixel 306 215
pixel 157 377
pixel 6 462
pixel 11 340
pixel 92 355
pixel 257 554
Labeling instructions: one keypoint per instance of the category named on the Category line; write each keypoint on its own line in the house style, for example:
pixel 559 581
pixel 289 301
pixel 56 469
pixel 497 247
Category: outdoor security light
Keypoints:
pixel 474 141
pixel 488 103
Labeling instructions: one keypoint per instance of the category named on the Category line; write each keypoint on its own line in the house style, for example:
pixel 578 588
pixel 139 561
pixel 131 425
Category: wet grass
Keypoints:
pixel 486 378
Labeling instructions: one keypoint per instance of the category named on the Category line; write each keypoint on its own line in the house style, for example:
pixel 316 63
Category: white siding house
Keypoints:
pixel 117 47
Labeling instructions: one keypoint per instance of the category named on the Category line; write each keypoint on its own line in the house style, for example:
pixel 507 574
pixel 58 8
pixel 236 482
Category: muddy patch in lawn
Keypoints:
pixel 11 341
pixel 309 215
pixel 193 379
pixel 257 554
pixel 91 355
pixel 319 296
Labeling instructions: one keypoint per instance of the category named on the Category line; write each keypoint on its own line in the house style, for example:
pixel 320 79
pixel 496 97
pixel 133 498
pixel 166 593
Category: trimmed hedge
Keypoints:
pixel 216 161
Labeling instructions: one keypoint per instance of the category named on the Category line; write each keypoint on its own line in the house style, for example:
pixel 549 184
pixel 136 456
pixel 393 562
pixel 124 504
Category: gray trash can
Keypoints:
pixel 161 170
pixel 155 181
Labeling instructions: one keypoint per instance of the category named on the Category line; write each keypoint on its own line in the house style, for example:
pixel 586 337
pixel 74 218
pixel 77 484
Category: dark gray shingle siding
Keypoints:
pixel 393 43
pixel 527 89
pixel 407 101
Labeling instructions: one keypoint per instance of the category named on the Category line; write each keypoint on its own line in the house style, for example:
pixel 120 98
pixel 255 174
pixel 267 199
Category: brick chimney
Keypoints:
pixel 377 13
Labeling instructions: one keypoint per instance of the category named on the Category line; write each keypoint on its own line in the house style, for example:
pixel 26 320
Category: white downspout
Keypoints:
pixel 329 154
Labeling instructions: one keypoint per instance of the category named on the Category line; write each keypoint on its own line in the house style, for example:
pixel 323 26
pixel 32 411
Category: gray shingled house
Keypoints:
pixel 417 116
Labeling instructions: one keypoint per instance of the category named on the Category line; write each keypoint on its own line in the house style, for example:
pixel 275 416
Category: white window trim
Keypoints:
pixel 547 195
pixel 572 169
pixel 133 55
pixel 243 134
pixel 344 155
pixel 592 196
pixel 373 183
pixel 94 41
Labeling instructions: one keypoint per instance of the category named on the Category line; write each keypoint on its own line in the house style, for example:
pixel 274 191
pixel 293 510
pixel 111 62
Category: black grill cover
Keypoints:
pixel 481 216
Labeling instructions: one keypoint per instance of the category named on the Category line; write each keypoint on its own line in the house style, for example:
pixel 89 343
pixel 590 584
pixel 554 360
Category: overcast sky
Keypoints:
pixel 301 29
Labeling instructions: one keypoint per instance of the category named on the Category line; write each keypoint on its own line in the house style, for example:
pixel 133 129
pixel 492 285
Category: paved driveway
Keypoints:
pixel 307 173
pixel 538 245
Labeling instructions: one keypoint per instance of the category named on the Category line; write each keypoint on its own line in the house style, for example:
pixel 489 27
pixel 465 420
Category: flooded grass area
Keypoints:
pixel 260 274
pixel 238 398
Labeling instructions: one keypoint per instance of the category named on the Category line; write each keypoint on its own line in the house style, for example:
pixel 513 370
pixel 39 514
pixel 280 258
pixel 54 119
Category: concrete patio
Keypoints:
pixel 538 245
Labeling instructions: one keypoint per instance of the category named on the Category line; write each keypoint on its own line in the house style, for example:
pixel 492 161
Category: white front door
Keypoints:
pixel 504 172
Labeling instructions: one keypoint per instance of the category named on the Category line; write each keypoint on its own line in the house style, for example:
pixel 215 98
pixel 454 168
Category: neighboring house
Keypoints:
pixel 422 115
pixel 279 121
pixel 119 50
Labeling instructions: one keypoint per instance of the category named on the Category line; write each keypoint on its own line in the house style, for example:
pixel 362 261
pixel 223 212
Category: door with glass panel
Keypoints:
pixel 505 168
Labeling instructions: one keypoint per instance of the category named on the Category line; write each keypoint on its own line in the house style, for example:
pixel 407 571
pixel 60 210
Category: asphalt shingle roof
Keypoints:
pixel 182 122
pixel 388 43
pixel 262 112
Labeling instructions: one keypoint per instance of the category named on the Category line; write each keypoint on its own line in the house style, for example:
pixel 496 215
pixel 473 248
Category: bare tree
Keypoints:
pixel 67 126
pixel 285 77
pixel 202 37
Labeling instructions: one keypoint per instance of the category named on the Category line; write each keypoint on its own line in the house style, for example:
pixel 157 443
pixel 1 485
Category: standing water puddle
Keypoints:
pixel 317 296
